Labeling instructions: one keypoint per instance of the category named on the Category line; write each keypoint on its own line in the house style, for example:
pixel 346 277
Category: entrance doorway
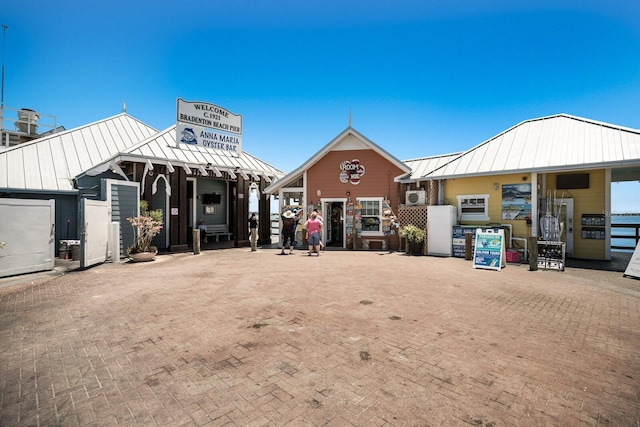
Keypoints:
pixel 333 214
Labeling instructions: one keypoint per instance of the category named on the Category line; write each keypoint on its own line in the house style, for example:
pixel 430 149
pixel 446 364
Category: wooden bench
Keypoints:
pixel 218 230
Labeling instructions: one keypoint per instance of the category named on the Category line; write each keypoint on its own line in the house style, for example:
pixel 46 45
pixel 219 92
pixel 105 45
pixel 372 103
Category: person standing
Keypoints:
pixel 253 228
pixel 314 227
pixel 288 231
pixel 319 216
pixel 203 231
pixel 299 228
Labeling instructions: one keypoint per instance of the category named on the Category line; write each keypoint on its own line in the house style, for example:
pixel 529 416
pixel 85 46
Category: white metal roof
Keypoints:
pixel 349 139
pixel 162 148
pixel 555 143
pixel 422 166
pixel 50 163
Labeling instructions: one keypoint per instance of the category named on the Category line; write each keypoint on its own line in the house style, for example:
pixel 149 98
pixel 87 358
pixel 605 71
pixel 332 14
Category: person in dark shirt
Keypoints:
pixel 288 231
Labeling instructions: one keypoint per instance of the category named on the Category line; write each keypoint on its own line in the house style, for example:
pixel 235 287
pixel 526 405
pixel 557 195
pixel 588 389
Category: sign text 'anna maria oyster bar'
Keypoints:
pixel 209 126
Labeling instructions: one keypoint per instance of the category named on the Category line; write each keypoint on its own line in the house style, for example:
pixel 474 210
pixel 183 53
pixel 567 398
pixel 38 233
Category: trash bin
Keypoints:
pixel 64 248
pixel 75 252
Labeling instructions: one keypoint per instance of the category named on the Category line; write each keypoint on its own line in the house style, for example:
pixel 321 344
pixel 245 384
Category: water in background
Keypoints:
pixel 624 219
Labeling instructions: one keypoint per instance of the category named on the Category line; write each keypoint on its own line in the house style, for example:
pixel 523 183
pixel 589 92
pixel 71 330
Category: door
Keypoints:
pixel 161 191
pixel 123 197
pixel 94 215
pixel 30 247
pixel 566 218
pixel 192 221
pixel 333 216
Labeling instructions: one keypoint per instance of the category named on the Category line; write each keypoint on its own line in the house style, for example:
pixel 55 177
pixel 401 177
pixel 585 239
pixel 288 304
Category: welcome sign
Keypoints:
pixel 208 125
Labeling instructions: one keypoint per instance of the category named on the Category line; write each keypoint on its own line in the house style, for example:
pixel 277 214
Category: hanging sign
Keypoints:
pixel 208 125
pixel 633 269
pixel 489 251
pixel 196 135
pixel 209 116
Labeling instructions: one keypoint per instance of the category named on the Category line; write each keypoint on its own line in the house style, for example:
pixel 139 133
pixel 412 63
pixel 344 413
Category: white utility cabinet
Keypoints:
pixel 440 222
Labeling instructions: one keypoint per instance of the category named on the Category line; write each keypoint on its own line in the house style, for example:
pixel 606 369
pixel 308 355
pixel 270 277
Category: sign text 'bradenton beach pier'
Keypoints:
pixel 208 125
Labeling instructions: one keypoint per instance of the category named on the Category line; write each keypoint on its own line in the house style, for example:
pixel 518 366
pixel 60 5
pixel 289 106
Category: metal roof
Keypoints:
pixel 554 143
pixel 349 139
pixel 50 163
pixel 422 166
pixel 161 148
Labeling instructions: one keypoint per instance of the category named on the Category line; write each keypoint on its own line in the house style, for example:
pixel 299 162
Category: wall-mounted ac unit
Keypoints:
pixel 416 197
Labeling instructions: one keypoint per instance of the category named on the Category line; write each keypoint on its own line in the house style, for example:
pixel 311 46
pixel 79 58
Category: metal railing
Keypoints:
pixel 632 226
pixel 275 224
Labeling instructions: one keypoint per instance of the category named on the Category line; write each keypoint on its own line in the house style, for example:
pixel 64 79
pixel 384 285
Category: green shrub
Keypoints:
pixel 413 233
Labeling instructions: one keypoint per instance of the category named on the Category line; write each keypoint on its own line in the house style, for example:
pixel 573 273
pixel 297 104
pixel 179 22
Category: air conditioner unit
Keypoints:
pixel 416 197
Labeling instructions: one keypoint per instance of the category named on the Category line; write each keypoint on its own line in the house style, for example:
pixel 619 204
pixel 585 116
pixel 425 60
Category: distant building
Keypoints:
pixel 119 161
pixel 560 165
pixel 22 125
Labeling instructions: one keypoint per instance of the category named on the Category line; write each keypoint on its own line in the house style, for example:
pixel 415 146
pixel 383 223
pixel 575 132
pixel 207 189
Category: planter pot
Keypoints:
pixel 143 256
pixel 415 248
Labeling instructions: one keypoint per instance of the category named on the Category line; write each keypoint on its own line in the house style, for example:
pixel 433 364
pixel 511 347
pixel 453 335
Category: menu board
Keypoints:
pixel 489 250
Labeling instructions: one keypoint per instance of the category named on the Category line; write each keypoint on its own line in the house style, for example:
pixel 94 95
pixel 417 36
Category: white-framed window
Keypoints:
pixel 473 207
pixel 371 216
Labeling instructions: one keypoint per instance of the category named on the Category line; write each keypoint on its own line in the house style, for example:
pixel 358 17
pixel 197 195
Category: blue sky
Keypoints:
pixel 419 77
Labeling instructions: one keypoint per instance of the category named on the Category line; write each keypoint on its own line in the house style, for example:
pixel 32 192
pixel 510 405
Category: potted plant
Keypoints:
pixel 146 227
pixel 415 238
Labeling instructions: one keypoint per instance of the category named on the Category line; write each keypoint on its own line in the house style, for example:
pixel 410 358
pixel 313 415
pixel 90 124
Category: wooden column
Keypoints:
pixel 533 253
pixel 468 246
pixel 433 192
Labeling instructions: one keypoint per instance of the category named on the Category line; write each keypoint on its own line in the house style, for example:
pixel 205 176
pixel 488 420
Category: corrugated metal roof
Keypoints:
pixel 422 166
pixel 162 147
pixel 50 163
pixel 555 143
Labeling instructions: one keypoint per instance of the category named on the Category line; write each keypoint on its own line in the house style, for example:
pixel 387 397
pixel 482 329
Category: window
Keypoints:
pixel 371 216
pixel 473 207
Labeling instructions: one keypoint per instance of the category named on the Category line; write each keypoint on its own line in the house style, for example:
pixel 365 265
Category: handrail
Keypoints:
pixel 635 226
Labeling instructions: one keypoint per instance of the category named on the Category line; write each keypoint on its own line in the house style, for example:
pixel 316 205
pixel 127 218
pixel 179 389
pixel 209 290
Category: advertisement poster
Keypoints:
pixel 516 201
pixel 489 249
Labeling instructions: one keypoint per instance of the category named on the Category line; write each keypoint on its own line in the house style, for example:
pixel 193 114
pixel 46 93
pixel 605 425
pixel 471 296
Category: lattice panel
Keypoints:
pixel 414 215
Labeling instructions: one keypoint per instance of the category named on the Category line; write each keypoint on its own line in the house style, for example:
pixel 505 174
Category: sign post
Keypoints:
pixel 489 250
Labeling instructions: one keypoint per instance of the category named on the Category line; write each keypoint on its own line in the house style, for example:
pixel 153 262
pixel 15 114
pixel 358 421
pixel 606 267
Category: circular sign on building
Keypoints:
pixel 351 171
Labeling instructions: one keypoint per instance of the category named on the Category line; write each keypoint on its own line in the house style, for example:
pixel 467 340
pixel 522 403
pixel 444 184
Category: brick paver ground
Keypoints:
pixel 235 338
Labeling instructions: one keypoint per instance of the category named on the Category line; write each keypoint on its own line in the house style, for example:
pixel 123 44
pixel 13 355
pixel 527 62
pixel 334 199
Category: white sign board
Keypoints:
pixel 208 125
pixel 208 116
pixel 489 251
pixel 633 269
pixel 197 135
